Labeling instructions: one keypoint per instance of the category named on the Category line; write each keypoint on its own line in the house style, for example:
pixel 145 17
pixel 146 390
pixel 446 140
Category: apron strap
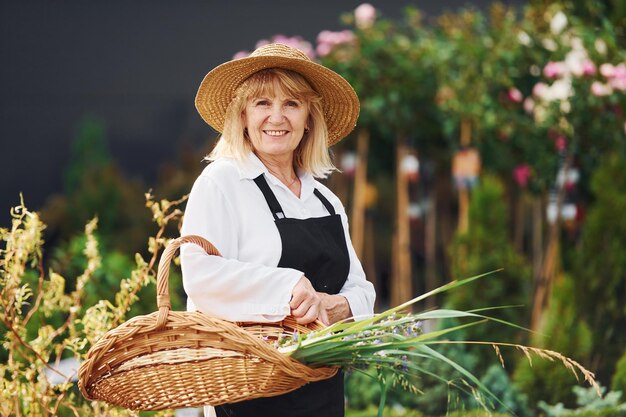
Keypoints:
pixel 272 202
pixel 274 205
pixel 324 201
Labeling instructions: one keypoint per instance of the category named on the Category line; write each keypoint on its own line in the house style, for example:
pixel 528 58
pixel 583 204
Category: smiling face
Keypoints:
pixel 275 121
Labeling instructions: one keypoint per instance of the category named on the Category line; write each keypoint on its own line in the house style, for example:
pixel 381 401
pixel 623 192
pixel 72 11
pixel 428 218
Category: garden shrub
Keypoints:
pixel 563 331
pixel 619 378
pixel 43 319
pixel 591 402
pixel 487 247
pixel 600 285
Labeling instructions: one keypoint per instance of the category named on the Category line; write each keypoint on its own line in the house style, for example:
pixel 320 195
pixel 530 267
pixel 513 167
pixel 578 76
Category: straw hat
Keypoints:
pixel 339 101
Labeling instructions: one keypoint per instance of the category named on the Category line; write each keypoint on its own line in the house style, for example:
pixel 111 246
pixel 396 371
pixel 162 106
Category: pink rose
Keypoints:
pixel 589 68
pixel 521 175
pixel 328 40
pixel 618 84
pixel 540 89
pixel 529 105
pixel 515 95
pixel 323 49
pixel 364 16
pixel 554 69
pixel 241 54
pixel 261 43
pixel 620 71
pixel 560 143
pixel 600 90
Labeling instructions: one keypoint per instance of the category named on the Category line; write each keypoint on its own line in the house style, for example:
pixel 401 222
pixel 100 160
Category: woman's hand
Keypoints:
pixel 336 307
pixel 306 303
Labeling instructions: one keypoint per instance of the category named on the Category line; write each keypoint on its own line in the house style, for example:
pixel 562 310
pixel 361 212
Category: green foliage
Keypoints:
pixel 43 319
pixel 487 247
pixel 618 382
pixel 388 412
pixel 95 187
pixel 590 404
pixel 436 397
pixel 362 389
pixel 599 280
pixel 513 401
pixel 563 331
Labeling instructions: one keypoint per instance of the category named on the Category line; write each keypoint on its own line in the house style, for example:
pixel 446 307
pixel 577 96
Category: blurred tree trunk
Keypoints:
pixel 549 267
pixel 444 196
pixel 520 221
pixel 360 184
pixel 463 221
pixel 401 289
pixel 537 247
pixel 430 247
pixel 340 184
pixel 369 257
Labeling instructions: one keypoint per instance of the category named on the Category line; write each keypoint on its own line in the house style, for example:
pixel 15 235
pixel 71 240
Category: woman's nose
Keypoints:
pixel 276 114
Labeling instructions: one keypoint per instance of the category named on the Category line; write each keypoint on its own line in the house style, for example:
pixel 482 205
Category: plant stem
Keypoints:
pixel 383 397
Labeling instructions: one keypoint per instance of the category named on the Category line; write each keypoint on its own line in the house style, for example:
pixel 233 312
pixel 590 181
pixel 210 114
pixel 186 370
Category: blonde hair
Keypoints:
pixel 312 153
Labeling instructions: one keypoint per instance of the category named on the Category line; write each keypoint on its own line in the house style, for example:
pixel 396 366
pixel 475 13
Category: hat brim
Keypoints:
pixel 339 100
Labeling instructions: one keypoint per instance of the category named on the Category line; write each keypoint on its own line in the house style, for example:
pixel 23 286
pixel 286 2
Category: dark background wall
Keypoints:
pixel 134 65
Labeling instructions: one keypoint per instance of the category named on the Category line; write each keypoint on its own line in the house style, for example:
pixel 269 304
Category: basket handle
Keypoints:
pixel 163 271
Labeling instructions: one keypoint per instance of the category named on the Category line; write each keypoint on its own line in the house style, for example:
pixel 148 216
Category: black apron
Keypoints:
pixel 317 247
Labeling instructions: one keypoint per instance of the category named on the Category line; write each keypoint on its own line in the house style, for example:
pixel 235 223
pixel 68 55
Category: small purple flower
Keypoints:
pixel 403 365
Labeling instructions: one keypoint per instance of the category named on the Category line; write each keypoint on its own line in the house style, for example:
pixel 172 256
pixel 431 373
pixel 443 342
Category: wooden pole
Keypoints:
pixel 430 248
pixel 543 290
pixel 402 288
pixel 357 225
pixel 369 256
pixel 463 221
pixel 537 250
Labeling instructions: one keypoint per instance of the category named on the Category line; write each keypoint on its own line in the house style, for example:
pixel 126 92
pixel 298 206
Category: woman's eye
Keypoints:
pixel 262 103
pixel 292 103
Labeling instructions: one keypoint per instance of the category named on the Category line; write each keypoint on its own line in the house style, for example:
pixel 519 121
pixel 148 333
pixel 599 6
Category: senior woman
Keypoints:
pixel 282 234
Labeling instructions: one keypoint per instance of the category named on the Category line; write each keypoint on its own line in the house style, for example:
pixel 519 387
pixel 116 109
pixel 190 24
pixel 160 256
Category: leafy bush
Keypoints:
pixel 619 378
pixel 487 247
pixel 600 285
pixel 43 320
pixel 565 332
pixel 590 404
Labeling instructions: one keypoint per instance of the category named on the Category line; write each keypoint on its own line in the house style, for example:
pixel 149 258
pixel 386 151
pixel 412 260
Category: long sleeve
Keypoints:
pixel 227 287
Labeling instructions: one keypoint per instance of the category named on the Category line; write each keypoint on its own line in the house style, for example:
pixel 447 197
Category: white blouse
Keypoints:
pixel 227 208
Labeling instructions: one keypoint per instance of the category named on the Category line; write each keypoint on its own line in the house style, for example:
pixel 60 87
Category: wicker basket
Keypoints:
pixel 171 359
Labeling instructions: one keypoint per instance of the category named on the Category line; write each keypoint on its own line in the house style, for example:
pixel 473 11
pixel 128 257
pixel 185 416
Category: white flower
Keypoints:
pixel 575 61
pixel 565 106
pixel 540 114
pixel 529 105
pixel 524 39
pixel 561 89
pixel 535 70
pixel 607 70
pixel 558 23
pixel 600 46
pixel 549 44
pixel 365 15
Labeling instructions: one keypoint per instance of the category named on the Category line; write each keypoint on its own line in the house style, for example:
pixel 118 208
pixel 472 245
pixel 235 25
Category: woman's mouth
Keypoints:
pixel 275 132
